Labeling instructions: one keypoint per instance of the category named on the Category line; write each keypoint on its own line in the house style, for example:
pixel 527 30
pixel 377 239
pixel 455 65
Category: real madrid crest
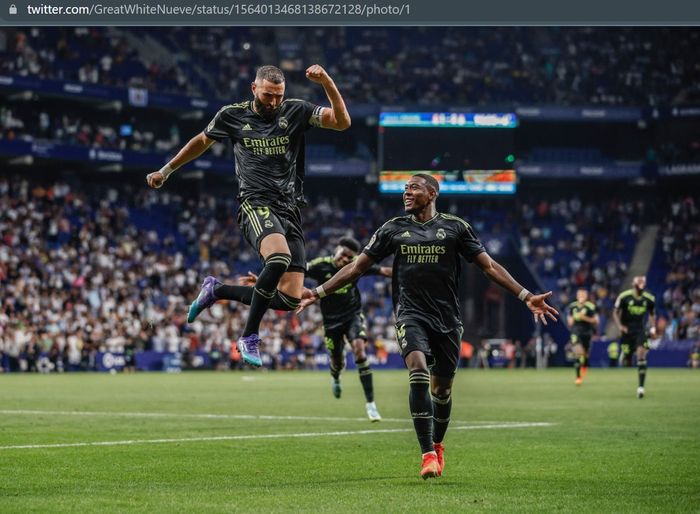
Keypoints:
pixel 283 123
pixel 440 233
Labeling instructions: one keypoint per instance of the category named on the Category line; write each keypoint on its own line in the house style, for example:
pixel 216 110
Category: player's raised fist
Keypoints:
pixel 155 179
pixel 316 73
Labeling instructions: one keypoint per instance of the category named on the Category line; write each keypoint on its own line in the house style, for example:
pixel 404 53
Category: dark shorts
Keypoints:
pixel 582 339
pixel 441 350
pixel 336 337
pixel 258 221
pixel 631 340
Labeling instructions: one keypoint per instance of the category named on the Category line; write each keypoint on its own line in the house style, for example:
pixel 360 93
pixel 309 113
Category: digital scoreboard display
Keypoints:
pixel 468 153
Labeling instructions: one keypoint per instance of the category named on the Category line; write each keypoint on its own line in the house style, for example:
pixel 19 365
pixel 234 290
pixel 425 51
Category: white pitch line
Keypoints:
pixel 209 416
pixel 257 436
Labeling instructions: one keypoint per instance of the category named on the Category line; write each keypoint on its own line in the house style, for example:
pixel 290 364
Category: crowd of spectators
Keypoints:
pixel 644 66
pixel 680 243
pixel 574 243
pixel 114 269
pixel 89 128
pixel 91 267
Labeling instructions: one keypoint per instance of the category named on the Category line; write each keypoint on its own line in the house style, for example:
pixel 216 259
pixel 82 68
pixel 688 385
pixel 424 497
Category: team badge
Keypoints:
pixel 268 224
pixel 283 123
pixel 440 233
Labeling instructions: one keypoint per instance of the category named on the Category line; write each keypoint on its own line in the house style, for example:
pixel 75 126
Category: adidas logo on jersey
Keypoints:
pixel 247 127
pixel 406 234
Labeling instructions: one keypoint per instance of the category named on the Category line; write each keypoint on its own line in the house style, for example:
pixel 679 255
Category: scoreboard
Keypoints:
pixel 468 153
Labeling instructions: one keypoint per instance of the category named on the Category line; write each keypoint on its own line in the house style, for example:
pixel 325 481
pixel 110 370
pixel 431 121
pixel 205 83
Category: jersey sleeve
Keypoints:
pixel 651 302
pixel 618 301
pixel 468 243
pixel 380 246
pixel 313 269
pixel 376 269
pixel 310 114
pixel 219 127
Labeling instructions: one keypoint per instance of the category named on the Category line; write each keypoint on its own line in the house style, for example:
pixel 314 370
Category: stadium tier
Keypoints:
pixel 591 134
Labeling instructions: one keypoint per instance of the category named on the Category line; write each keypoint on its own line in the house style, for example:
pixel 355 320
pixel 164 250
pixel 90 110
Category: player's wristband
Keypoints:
pixel 166 171
pixel 522 295
pixel 320 292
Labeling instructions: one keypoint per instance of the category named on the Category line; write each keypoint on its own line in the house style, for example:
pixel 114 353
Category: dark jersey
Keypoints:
pixel 340 306
pixel 265 152
pixel 580 327
pixel 633 309
pixel 426 266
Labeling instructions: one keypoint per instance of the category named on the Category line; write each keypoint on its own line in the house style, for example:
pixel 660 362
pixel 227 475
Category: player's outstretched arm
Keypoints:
pixel 337 117
pixel 193 149
pixel 535 302
pixel 348 274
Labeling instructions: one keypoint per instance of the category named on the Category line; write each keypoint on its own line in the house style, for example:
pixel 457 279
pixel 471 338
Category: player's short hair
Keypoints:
pixel 269 73
pixel 350 243
pixel 430 180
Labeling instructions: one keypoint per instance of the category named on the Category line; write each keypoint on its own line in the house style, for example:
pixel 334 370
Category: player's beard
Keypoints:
pixel 265 112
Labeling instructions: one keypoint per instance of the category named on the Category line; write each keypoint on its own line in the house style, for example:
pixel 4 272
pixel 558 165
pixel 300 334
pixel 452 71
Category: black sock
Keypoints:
pixel 421 408
pixel 242 294
pixel 577 367
pixel 642 370
pixel 265 290
pixel 283 302
pixel 585 362
pixel 335 370
pixel 366 379
pixel 442 407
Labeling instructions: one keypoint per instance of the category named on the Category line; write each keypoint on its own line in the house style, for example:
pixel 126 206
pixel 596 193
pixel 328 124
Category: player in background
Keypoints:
pixel 634 309
pixel 343 320
pixel 267 135
pixel 583 321
pixel 427 246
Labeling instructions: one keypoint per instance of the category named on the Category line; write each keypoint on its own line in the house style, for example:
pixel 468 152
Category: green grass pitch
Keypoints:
pixel 281 443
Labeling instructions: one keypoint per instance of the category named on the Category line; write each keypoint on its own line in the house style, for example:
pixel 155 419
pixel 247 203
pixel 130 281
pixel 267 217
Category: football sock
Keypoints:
pixel 642 370
pixel 265 290
pixel 442 406
pixel 577 367
pixel 366 379
pixel 335 371
pixel 421 408
pixel 244 294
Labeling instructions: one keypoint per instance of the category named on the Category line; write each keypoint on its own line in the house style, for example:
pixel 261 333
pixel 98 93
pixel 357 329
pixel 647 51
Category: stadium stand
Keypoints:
pixel 95 261
pixel 475 65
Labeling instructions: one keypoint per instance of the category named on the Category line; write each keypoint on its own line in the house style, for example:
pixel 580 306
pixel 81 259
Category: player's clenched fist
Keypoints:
pixel 155 179
pixel 316 73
